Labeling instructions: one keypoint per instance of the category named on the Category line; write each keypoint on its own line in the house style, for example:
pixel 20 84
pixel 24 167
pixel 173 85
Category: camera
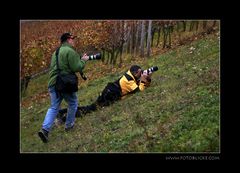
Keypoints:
pixel 150 70
pixel 95 56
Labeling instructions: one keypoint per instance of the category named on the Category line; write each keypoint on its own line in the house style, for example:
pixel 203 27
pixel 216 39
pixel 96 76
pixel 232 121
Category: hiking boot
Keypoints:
pixel 43 134
pixel 67 129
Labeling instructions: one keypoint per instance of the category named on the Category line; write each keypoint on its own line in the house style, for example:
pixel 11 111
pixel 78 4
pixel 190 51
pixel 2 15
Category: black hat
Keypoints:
pixel 66 36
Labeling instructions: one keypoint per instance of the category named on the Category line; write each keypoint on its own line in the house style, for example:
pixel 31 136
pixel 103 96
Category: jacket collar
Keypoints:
pixel 130 74
pixel 67 44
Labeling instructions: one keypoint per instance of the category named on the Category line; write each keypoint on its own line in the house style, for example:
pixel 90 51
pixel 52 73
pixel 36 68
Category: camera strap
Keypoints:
pixel 57 52
pixel 58 69
pixel 83 76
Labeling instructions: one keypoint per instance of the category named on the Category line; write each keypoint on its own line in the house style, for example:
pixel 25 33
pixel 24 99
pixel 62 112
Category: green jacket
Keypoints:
pixel 69 62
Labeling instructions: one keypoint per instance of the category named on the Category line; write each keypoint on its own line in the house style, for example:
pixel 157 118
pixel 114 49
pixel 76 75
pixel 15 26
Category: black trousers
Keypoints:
pixel 110 94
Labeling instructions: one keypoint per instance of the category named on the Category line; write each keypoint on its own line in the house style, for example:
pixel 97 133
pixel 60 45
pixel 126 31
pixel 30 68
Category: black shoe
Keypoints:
pixel 43 134
pixel 67 129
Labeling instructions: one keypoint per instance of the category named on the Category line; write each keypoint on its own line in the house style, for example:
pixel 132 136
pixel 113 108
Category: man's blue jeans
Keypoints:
pixel 70 98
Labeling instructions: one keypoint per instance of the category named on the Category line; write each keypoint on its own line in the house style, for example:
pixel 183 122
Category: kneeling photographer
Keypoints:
pixel 134 80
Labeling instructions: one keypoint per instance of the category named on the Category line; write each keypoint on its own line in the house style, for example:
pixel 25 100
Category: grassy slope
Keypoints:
pixel 178 113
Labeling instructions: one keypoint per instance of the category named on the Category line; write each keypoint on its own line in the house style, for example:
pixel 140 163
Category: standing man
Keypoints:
pixel 69 62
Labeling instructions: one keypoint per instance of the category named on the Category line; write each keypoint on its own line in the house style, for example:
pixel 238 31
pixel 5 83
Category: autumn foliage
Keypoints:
pixel 39 39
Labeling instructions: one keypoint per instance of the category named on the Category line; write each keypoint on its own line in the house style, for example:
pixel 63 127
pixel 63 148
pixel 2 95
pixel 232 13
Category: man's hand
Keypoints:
pixel 146 79
pixel 85 57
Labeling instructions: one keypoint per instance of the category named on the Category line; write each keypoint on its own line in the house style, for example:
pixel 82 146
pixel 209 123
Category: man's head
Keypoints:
pixel 136 71
pixel 67 37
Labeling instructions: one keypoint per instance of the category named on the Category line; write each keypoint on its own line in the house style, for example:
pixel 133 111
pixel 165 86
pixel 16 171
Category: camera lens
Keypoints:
pixel 150 70
pixel 94 57
pixel 155 68
pixel 98 56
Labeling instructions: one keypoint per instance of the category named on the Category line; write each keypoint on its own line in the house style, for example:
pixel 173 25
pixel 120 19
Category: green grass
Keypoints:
pixel 180 112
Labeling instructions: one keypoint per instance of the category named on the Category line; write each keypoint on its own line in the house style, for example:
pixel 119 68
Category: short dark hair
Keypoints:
pixel 66 36
pixel 134 69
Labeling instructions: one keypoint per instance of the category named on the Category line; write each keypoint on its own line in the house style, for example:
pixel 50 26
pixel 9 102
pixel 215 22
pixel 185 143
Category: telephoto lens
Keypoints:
pixel 150 70
pixel 95 56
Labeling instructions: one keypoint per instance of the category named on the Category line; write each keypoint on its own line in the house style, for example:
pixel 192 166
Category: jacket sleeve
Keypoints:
pixel 75 62
pixel 133 87
pixel 141 86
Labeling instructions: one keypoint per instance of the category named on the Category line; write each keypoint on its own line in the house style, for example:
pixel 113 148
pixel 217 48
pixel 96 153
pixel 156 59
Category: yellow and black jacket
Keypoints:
pixel 128 84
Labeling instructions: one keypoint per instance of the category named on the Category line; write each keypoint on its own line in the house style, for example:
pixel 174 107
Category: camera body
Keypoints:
pixel 150 70
pixel 96 56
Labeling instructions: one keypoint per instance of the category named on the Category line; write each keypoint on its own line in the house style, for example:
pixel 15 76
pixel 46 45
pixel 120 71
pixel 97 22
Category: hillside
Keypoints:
pixel 179 112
